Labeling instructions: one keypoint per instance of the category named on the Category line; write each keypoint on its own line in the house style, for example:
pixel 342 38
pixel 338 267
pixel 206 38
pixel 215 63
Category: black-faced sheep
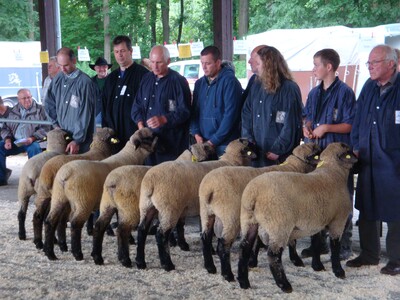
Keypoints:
pixel 280 207
pixel 171 190
pixel 78 187
pixel 121 193
pixel 101 147
pixel 220 196
pixel 57 140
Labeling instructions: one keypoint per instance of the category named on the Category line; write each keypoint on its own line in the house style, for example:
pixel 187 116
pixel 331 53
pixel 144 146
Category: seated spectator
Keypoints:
pixel 21 137
pixel 4 112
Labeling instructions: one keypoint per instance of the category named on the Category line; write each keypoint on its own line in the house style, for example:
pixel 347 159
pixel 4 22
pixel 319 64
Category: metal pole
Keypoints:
pixel 43 122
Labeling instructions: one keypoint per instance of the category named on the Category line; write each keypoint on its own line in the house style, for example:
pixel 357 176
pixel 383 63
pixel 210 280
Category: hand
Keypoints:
pixel 72 148
pixel 7 144
pixel 156 121
pixel 307 132
pixel 320 131
pixel 271 156
pixel 29 141
pixel 198 138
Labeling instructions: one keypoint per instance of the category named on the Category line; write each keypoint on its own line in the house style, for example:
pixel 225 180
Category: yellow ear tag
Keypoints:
pixel 114 140
pixel 316 157
pixel 320 163
pixel 194 158
pixel 284 163
pixel 249 153
pixel 348 156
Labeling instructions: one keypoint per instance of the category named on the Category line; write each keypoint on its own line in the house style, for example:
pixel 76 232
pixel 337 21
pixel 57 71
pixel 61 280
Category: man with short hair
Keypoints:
pixel 70 102
pixel 21 137
pixel 163 104
pixel 120 90
pixel 216 103
pixel 328 118
pixel 101 67
pixel 376 141
pixel 52 69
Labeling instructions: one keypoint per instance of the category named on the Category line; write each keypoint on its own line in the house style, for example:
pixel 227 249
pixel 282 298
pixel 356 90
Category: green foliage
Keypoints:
pixel 15 17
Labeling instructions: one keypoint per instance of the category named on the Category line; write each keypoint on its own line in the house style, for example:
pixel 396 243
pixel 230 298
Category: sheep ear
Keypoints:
pixel 136 144
pixel 313 159
pixel 244 141
pixel 348 157
pixel 67 137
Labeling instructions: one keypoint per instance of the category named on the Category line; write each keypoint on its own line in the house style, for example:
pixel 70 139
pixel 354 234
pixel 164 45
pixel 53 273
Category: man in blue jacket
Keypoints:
pixel 162 103
pixel 216 103
pixel 376 141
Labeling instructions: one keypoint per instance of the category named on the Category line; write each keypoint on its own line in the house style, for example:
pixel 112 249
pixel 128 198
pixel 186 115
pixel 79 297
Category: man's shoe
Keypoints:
pixel 359 262
pixel 3 183
pixel 391 269
pixel 308 252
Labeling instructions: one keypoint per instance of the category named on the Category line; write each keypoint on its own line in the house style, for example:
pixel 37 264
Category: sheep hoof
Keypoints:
pixel 127 263
pixel 168 267
pixel 244 283
pixel 211 269
pixel 22 235
pixel 340 274
pixel 78 256
pixel 51 256
pixel 318 267
pixel 184 246
pixel 229 277
pixel 63 246
pixel 98 260
pixel 298 262
pixel 141 265
pixel 38 243
pixel 287 288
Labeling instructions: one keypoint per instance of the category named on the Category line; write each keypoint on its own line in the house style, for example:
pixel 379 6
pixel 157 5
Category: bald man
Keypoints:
pixel 163 104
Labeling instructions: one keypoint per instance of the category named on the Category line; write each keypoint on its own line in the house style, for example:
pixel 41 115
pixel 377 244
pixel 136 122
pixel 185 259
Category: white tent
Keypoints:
pixel 353 45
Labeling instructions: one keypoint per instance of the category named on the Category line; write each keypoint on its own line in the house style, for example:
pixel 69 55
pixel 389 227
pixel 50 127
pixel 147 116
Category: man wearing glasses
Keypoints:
pixel 20 137
pixel 376 141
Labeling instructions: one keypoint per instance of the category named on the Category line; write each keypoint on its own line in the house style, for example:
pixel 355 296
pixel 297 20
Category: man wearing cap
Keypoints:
pixel 101 67
pixel 120 90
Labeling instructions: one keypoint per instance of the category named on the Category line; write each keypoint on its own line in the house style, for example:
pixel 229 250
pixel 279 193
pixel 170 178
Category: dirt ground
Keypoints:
pixel 25 273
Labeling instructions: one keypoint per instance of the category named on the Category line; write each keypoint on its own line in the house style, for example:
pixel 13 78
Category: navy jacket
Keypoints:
pixel 216 108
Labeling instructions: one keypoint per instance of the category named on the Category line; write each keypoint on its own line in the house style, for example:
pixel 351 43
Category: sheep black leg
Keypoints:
pixel 76 237
pixel 316 244
pixel 21 218
pixel 253 261
pixel 38 219
pixel 276 267
pixel 335 258
pixel 98 236
pixel 163 249
pixel 206 240
pixel 180 230
pixel 89 224
pixel 142 233
pixel 48 247
pixel 294 257
pixel 224 253
pixel 123 234
pixel 62 232
pixel 246 247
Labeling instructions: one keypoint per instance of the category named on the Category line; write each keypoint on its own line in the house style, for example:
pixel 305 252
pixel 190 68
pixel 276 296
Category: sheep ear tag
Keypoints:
pixel 194 158
pixel 284 163
pixel 348 156
pixel 320 163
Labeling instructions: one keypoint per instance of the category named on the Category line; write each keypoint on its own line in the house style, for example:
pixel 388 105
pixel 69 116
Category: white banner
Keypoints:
pixel 196 48
pixel 240 47
pixel 136 52
pixel 173 50
pixel 83 54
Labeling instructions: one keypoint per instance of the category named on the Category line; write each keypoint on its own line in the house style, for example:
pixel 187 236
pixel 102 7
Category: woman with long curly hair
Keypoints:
pixel 271 115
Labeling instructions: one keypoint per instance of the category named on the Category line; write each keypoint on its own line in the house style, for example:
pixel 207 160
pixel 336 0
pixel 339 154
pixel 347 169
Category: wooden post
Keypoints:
pixel 223 37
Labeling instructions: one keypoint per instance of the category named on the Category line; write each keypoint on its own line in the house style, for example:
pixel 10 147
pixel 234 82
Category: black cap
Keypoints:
pixel 100 62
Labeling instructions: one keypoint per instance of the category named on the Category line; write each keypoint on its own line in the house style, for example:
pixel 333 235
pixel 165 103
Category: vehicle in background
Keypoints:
pixel 190 69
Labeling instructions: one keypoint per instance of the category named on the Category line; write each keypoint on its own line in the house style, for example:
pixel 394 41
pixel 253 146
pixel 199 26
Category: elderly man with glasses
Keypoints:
pixel 21 137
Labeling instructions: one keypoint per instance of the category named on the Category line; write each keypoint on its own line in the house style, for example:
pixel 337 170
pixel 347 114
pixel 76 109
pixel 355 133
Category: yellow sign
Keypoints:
pixel 184 51
pixel 44 57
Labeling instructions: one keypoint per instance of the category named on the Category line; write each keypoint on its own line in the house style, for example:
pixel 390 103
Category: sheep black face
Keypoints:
pixel 145 139
pixel 202 152
pixel 250 149
pixel 340 152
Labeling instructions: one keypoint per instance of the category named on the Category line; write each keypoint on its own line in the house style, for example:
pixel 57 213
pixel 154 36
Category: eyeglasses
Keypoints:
pixel 374 62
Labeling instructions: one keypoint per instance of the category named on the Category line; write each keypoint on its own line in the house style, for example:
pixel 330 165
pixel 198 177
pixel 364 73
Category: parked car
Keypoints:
pixel 191 69
pixel 12 100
